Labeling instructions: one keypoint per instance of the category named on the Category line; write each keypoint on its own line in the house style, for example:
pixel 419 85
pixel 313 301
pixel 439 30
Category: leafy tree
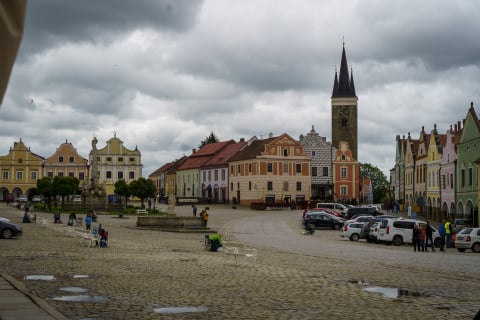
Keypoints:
pixel 212 138
pixel 123 190
pixel 64 186
pixel 45 188
pixel 142 188
pixel 379 181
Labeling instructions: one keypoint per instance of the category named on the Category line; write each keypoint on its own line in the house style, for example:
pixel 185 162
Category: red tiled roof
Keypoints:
pixel 222 157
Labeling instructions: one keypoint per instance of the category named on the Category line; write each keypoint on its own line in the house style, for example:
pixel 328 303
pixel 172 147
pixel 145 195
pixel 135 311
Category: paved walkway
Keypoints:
pixel 18 303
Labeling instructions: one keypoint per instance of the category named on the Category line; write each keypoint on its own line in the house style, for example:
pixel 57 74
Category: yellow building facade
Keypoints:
pixel 20 170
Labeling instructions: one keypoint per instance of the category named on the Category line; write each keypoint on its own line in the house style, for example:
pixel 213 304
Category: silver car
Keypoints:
pixel 468 238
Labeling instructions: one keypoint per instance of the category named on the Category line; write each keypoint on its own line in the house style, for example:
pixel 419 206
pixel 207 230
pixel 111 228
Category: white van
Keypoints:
pixel 398 231
pixel 334 206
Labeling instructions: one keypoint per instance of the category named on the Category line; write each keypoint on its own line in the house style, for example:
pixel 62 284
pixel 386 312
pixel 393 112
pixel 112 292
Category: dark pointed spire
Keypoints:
pixel 344 86
pixel 352 85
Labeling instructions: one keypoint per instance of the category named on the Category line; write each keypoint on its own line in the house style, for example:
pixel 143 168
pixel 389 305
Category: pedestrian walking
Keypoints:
pixel 88 221
pixel 422 236
pixel 448 233
pixel 416 238
pixel 194 210
pixel 429 236
pixel 204 215
pixel 443 234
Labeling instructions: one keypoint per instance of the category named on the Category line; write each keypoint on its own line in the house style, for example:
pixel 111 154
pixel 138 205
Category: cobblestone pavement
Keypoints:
pixel 147 274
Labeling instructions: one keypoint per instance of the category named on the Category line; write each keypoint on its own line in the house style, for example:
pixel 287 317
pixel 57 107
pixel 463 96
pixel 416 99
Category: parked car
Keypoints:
pixel 22 198
pixel 354 230
pixel 319 210
pixel 399 231
pixel 77 198
pixel 334 206
pixel 372 211
pixel 361 219
pixel 459 224
pixel 36 198
pixel 9 230
pixel 323 220
pixel 468 238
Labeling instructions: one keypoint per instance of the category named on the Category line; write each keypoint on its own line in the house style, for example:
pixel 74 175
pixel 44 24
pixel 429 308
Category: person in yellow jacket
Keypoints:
pixel 449 233
pixel 204 215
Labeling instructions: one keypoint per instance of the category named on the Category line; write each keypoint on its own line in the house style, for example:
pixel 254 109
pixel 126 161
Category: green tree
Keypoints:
pixel 123 190
pixel 64 186
pixel 142 189
pixel 212 138
pixel 379 181
pixel 45 188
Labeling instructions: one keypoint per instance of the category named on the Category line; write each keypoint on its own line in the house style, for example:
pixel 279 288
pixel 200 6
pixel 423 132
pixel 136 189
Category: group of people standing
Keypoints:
pixel 422 237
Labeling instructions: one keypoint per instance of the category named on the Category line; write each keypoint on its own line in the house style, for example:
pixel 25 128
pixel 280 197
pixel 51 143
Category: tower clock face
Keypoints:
pixel 344 111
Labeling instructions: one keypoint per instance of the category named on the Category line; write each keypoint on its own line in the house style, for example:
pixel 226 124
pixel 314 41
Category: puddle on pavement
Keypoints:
pixel 176 310
pixel 74 289
pixel 40 277
pixel 80 276
pixel 386 292
pixel 80 298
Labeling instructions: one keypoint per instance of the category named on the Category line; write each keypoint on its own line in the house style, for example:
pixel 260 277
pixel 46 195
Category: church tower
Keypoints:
pixel 344 109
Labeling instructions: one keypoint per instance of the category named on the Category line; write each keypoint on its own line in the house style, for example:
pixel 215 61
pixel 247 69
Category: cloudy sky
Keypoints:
pixel 163 74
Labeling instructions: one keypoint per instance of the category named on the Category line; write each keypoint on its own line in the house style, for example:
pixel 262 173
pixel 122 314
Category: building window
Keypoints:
pixel 238 185
pixel 131 175
pixel 109 158
pixel 71 159
pixel 285 168
pixel 249 185
pixel 120 159
pixel 299 186
pixel 313 153
pixel 71 174
pixel 451 181
pixel 314 171
pixel 343 157
pixel 470 176
pixel 131 159
pixel 285 152
pixel 269 167
pixel 19 175
pixel 60 159
pixel 120 174
pixel 269 185
pixel 60 173
pixel 223 174
pixel 344 122
pixel 5 175
pixel 298 168
pixel 238 168
pixel 109 174
pixel 462 178
pixel 231 186
pixel 50 174
pixel 33 175
pixel 343 190
pixel 209 175
pixel 343 172
pixel 325 171
pixel 20 160
pixel 215 175
pixel 250 168
pixel 285 186
pixel 442 181
pixel 81 176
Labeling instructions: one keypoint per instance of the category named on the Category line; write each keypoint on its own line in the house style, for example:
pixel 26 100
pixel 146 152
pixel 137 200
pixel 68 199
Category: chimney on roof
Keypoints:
pixel 193 150
pixel 242 139
pixel 270 135
pixel 459 125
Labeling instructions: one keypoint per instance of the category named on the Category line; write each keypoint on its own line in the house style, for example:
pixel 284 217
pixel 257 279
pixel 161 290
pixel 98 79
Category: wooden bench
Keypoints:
pixel 142 212
pixel 247 253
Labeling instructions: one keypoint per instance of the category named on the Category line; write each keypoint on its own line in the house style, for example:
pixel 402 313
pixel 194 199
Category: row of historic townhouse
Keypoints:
pixel 262 170
pixel 21 168
pixel 438 174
